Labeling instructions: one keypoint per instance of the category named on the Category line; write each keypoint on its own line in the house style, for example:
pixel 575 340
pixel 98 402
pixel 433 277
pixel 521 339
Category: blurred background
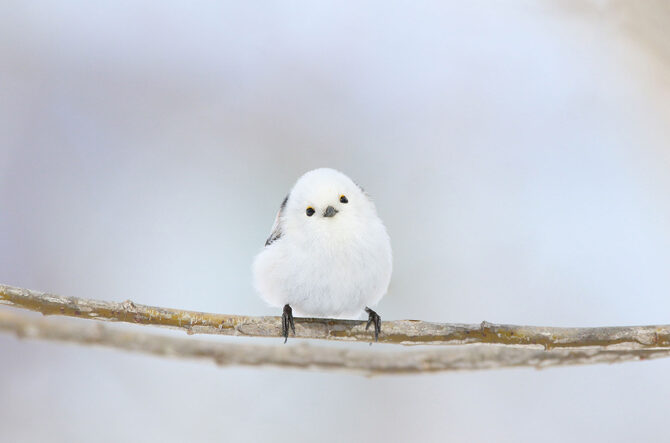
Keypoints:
pixel 517 151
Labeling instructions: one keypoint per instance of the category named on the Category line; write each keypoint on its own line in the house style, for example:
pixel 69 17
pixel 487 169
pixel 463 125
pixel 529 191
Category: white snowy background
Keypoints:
pixel 517 151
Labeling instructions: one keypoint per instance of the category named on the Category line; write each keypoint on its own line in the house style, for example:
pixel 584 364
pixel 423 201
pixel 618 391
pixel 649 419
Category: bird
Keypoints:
pixel 328 253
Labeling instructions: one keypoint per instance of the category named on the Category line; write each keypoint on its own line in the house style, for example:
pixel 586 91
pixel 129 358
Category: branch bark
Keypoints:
pixel 406 332
pixel 366 361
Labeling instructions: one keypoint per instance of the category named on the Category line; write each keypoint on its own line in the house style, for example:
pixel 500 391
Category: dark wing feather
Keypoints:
pixel 276 227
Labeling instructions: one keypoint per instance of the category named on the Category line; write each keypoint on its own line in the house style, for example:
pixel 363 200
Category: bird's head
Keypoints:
pixel 327 202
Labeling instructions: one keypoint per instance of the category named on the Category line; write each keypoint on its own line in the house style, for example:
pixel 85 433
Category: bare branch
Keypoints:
pixel 366 361
pixel 406 332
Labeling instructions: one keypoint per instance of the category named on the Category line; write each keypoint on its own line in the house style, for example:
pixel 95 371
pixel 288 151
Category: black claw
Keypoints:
pixel 373 317
pixel 287 321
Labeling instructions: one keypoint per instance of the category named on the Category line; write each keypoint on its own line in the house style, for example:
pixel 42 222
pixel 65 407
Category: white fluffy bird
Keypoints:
pixel 328 254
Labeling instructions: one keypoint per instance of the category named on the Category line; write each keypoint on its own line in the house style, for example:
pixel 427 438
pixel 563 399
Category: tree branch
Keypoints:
pixel 366 361
pixel 406 332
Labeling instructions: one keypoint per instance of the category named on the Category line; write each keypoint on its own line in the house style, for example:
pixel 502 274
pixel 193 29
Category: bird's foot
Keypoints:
pixel 287 321
pixel 373 318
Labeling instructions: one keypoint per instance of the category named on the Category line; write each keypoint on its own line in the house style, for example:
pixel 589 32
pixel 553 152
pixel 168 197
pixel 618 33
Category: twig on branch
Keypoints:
pixel 366 361
pixel 406 332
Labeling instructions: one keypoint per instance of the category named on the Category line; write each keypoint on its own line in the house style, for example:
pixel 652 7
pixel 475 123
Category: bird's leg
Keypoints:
pixel 287 321
pixel 373 317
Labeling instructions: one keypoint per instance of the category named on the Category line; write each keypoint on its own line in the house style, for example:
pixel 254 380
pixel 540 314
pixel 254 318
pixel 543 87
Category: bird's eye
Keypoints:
pixel 310 211
pixel 344 199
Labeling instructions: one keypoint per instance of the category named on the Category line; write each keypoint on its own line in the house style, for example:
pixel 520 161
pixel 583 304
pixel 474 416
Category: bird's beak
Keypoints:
pixel 330 211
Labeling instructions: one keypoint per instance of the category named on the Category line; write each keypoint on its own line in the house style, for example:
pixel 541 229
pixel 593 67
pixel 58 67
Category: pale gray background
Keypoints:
pixel 517 151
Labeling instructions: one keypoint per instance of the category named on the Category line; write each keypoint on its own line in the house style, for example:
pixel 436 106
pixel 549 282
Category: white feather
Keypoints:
pixel 326 266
